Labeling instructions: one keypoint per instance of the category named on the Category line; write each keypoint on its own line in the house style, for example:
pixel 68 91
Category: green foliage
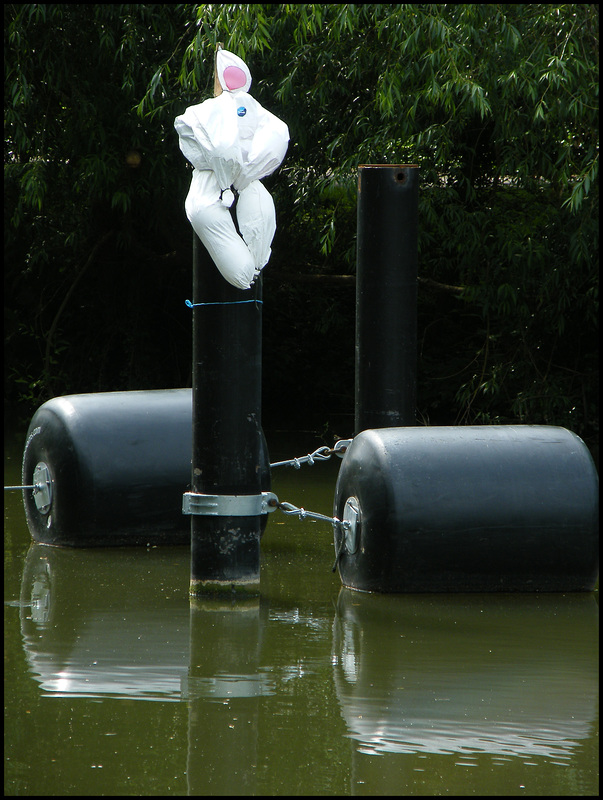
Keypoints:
pixel 497 104
pixel 90 231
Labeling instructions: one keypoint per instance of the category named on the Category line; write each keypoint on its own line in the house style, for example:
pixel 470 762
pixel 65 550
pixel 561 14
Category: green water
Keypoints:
pixel 115 684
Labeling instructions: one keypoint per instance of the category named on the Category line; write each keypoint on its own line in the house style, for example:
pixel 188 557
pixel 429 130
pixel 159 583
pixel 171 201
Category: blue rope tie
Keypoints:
pixel 221 303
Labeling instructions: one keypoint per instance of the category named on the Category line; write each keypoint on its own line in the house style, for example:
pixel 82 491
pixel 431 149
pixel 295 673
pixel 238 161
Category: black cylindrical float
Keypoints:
pixel 468 509
pixel 117 464
pixel 386 296
pixel 227 432
pixel 112 467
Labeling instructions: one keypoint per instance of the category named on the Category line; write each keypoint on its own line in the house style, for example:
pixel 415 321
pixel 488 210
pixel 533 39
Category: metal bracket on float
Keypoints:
pixel 42 492
pixel 229 505
pixel 41 487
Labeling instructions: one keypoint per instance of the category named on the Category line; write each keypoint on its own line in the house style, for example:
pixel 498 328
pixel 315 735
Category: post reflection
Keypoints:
pixel 223 687
pixel 120 624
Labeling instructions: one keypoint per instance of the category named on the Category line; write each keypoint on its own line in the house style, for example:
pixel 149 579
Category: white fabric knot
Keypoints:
pixel 227 198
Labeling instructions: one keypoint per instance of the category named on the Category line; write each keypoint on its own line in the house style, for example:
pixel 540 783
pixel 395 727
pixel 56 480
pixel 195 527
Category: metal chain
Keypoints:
pixel 302 513
pixel 321 454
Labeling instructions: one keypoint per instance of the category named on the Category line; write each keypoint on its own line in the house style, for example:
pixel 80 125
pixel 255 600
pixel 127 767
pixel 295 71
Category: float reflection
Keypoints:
pixel 106 622
pixel 508 675
pixel 119 623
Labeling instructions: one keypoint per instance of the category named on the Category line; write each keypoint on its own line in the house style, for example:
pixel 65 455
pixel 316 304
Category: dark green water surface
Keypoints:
pixel 115 683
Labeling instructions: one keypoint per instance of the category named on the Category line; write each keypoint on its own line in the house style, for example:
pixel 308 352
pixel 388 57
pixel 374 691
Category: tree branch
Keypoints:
pixel 350 280
pixel 55 322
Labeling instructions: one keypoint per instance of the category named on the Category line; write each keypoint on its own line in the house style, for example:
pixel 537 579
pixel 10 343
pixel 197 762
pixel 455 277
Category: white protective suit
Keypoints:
pixel 232 141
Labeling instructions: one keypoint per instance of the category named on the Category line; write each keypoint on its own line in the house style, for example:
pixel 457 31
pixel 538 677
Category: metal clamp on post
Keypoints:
pixel 229 505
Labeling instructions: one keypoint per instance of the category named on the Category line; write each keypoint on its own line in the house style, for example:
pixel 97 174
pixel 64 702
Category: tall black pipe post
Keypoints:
pixel 227 431
pixel 386 296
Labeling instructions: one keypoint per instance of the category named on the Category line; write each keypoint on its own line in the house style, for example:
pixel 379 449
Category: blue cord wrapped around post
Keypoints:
pixel 227 432
pixel 232 143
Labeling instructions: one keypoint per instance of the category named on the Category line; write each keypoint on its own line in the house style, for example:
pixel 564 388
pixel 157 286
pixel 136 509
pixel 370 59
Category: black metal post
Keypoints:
pixel 386 296
pixel 227 432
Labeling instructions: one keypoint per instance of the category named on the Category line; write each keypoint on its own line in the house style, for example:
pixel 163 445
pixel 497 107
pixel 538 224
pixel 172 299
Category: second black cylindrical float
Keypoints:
pixel 468 509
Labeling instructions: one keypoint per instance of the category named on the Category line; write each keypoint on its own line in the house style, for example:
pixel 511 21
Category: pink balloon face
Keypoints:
pixel 234 78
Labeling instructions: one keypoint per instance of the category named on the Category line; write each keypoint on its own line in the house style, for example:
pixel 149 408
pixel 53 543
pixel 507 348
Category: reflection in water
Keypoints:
pixel 130 633
pixel 226 639
pixel 506 675
pixel 99 639
pixel 101 624
pixel 264 685
pixel 227 686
